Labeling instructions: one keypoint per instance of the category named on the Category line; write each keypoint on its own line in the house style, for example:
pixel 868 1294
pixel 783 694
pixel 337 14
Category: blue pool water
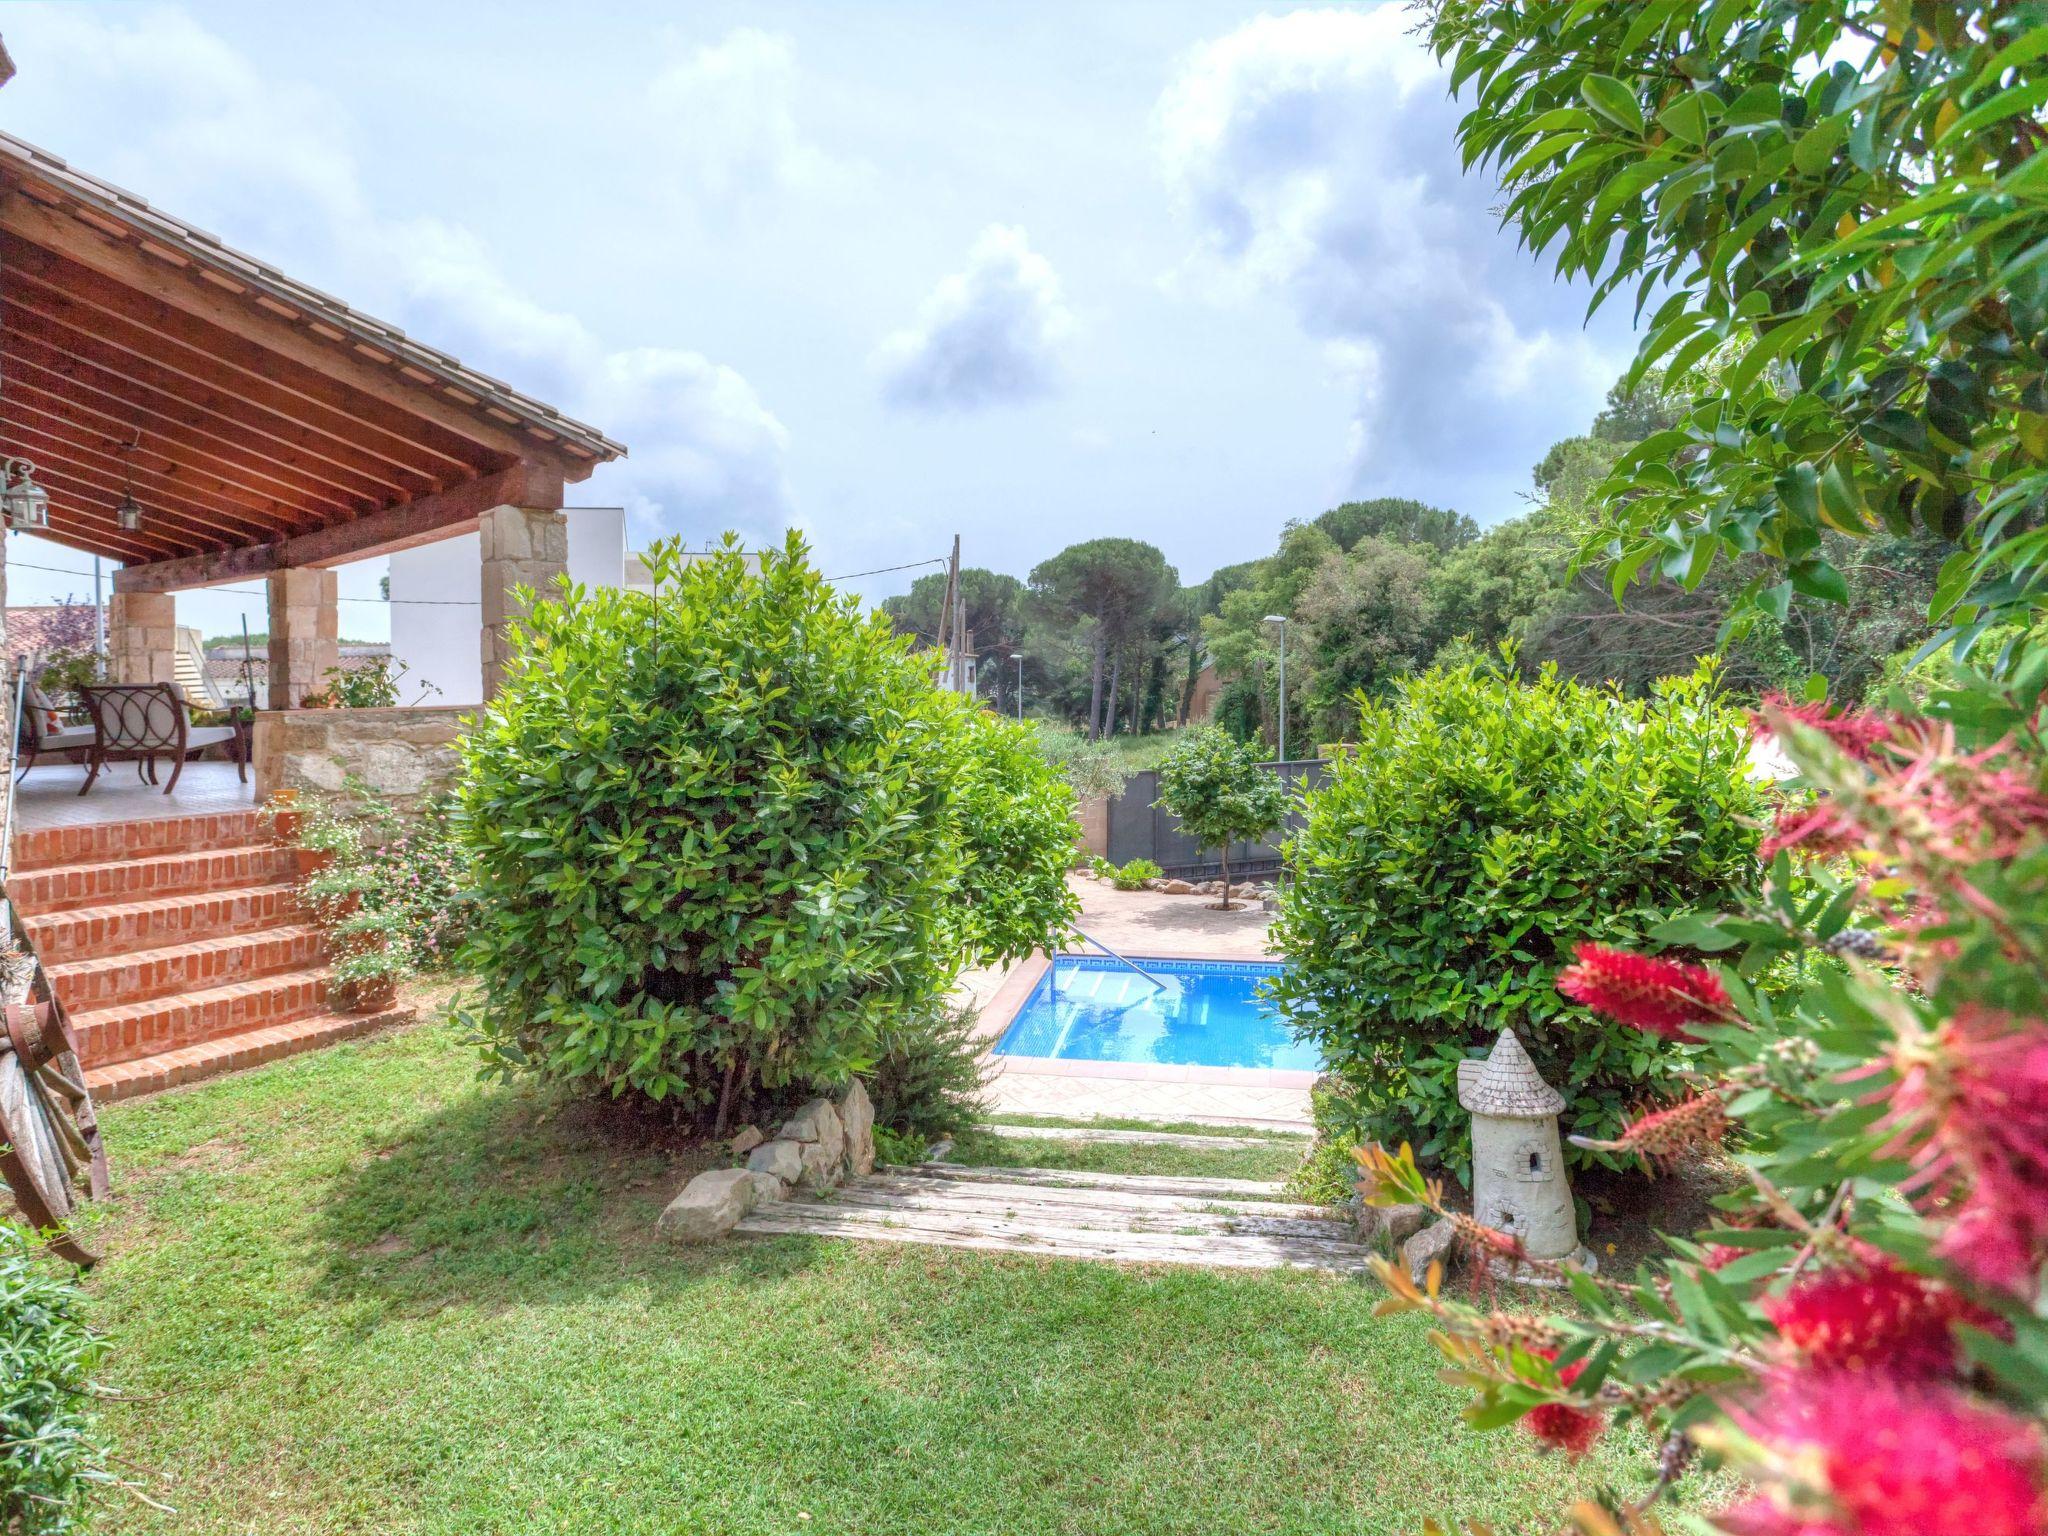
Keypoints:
pixel 1208 1014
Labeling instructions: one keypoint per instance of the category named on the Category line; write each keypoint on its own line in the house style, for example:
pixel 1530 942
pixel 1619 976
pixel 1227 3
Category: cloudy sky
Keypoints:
pixel 1028 273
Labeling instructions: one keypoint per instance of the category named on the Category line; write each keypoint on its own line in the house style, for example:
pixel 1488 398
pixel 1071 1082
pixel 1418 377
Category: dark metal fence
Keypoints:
pixel 1138 829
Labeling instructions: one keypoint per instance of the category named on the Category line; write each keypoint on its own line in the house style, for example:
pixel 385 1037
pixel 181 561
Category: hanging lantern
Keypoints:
pixel 128 515
pixel 27 505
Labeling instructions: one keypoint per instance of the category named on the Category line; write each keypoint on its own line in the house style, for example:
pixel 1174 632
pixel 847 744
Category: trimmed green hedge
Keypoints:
pixel 726 833
pixel 1482 828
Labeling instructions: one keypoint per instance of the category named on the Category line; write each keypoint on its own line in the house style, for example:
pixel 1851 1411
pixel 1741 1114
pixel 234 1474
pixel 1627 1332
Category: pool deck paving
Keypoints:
pixel 1140 924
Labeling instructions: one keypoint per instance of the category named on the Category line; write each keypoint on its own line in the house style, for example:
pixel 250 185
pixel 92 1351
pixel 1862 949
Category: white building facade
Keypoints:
pixel 436 614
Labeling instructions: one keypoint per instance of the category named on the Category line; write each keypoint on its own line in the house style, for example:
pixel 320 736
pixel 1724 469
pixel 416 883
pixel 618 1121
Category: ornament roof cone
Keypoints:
pixel 1518 1178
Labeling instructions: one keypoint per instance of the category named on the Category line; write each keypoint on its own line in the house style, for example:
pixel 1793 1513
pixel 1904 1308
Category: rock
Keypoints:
pixel 1388 1226
pixel 817 1122
pixel 779 1159
pixel 857 1117
pixel 1431 1245
pixel 710 1206
pixel 745 1139
pixel 1176 888
pixel 821 1166
pixel 1401 1222
pixel 767 1188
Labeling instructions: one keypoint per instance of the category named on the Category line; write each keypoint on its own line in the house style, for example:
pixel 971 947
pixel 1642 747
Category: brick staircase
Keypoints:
pixel 177 948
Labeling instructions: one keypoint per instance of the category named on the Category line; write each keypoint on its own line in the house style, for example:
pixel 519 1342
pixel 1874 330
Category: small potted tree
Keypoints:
pixel 1222 792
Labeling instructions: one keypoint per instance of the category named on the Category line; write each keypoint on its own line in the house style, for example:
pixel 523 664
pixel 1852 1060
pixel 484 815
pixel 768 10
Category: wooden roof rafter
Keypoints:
pixel 261 423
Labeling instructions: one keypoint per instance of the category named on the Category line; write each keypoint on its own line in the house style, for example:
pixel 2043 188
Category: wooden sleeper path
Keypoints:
pixel 1123 1218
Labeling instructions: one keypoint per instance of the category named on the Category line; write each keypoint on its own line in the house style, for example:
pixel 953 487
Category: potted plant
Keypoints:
pixel 370 959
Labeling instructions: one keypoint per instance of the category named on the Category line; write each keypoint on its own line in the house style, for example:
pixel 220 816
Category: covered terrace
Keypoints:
pixel 203 419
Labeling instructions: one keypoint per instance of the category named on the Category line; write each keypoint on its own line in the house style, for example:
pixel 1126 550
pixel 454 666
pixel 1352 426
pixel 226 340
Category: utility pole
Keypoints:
pixel 949 673
pixel 99 620
pixel 959 624
pixel 1020 686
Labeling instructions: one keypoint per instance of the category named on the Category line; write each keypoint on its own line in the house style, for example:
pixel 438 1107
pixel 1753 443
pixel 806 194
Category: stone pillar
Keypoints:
pixel 142 637
pixel 521 546
pixel 305 634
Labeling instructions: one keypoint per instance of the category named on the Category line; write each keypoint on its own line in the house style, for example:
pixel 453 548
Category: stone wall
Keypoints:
pixel 405 755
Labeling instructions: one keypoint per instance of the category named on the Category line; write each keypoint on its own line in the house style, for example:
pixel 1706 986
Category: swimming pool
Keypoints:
pixel 1208 1014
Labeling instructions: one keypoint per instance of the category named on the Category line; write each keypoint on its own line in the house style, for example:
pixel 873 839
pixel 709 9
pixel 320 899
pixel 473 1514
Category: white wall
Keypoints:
pixel 436 607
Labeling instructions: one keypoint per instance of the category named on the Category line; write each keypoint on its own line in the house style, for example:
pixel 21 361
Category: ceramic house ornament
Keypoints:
pixel 1518 1178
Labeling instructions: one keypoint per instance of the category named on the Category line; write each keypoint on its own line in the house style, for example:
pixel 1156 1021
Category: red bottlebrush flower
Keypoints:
pixel 1661 1137
pixel 1873 1315
pixel 1819 830
pixel 1561 1425
pixel 1856 733
pixel 1976 1100
pixel 1861 1454
pixel 1662 997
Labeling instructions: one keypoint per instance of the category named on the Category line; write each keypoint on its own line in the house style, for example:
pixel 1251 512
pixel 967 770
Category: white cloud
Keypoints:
pixel 1313 156
pixel 992 334
pixel 268 164
pixel 726 121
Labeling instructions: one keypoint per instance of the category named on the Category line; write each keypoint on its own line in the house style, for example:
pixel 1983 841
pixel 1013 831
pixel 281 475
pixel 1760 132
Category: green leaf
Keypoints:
pixel 1613 101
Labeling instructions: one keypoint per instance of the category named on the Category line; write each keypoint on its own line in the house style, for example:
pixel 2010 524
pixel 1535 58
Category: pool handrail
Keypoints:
pixel 1120 959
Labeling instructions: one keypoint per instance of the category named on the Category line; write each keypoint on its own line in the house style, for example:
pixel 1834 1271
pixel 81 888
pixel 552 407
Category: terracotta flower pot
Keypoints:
pixel 372 994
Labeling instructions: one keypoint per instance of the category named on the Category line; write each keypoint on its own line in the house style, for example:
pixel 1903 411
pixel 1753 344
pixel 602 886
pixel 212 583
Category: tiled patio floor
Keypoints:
pixel 49 797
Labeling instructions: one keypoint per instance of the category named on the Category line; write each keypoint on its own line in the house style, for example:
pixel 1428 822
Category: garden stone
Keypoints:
pixel 1431 1245
pixel 1389 1225
pixel 779 1159
pixel 767 1188
pixel 1401 1222
pixel 746 1139
pixel 1177 888
pixel 857 1115
pixel 821 1166
pixel 817 1122
pixel 710 1206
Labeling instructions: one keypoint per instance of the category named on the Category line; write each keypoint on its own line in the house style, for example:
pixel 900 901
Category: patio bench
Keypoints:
pixel 44 732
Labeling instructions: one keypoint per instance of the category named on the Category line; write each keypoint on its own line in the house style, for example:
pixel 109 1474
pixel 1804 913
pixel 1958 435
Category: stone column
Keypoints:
pixel 521 546
pixel 305 633
pixel 142 637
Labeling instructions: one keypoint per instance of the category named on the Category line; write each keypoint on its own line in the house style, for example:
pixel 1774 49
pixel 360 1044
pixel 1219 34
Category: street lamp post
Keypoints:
pixel 1020 684
pixel 1281 620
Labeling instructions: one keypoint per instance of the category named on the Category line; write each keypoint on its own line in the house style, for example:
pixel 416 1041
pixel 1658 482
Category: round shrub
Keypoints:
pixel 1482 828
pixel 726 833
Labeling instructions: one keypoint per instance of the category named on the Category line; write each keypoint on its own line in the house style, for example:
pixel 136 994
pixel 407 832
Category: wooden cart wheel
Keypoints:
pixel 50 1149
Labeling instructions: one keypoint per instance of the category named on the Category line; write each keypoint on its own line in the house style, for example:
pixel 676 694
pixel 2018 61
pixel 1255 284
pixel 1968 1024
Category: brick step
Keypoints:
pixel 122 1033
pixel 52 847
pixel 229 1053
pixel 112 980
pixel 98 932
pixel 139 879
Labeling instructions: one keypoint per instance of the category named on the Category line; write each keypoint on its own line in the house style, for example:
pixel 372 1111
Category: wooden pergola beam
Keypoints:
pixel 325 370
pixel 214 505
pixel 423 520
pixel 170 446
pixel 74 378
pixel 87 507
pixel 134 352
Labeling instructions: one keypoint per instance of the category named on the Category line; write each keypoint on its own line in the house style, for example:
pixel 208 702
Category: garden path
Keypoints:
pixel 1122 1218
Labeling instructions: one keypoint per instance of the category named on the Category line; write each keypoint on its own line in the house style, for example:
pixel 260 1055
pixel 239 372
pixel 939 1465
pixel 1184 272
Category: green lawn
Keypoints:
pixel 360 1292
pixel 992 1149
